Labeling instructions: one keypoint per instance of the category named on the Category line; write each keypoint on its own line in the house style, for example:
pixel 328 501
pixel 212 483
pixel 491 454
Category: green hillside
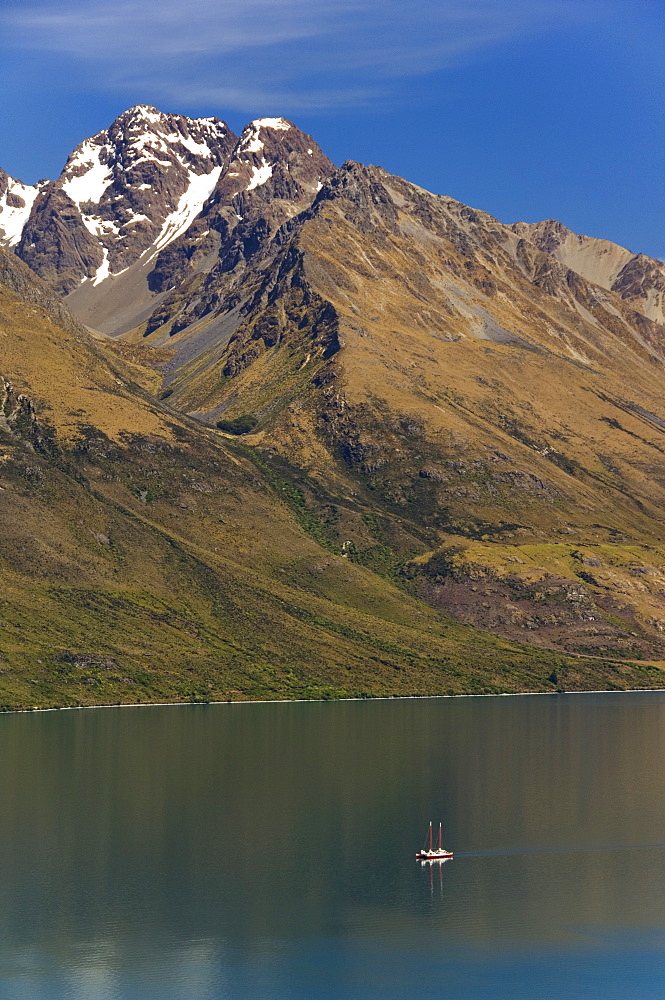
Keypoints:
pixel 144 557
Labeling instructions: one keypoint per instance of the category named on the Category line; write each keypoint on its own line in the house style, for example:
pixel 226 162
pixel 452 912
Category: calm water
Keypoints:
pixel 267 851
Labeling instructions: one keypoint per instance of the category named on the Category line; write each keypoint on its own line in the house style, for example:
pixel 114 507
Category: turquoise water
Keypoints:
pixel 267 851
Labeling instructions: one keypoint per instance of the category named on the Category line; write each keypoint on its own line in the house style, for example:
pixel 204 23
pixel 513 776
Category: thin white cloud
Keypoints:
pixel 249 53
pixel 154 29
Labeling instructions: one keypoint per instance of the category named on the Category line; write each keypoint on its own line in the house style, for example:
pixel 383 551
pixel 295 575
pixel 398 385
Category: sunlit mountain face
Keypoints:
pixel 449 424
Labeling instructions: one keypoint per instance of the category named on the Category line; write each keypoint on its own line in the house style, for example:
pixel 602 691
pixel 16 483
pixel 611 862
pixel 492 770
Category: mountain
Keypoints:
pixel 639 280
pixel 457 418
pixel 424 369
pixel 107 230
pixel 130 188
pixel 145 558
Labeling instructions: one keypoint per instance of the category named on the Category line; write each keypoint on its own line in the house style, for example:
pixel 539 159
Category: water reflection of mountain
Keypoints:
pixel 243 830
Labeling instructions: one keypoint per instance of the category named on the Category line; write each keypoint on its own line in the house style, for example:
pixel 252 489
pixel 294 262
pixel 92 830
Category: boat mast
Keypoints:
pixel 430 837
pixel 439 845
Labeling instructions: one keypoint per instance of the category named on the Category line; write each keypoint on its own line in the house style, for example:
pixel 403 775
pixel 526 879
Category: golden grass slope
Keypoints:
pixel 143 559
pixel 419 362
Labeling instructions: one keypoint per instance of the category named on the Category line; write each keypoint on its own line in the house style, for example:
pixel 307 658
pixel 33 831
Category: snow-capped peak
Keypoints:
pixel 136 185
pixel 251 149
pixel 132 189
pixel 144 112
pixel 251 141
pixel 280 124
pixel 274 148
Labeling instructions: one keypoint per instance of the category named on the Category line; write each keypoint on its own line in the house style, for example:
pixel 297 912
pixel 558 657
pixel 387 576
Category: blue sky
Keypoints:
pixel 527 109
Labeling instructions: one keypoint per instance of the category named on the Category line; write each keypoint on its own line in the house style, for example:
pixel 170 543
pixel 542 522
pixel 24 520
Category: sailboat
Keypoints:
pixel 430 853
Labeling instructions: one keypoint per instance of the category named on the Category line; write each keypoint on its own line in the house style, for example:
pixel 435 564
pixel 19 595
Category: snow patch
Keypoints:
pixel 151 159
pixel 103 269
pixel 252 144
pixel 103 226
pixel 260 175
pixel 13 220
pixel 198 148
pixel 190 204
pixel 147 112
pixel 90 185
pixel 277 123
pixel 151 141
pixel 97 227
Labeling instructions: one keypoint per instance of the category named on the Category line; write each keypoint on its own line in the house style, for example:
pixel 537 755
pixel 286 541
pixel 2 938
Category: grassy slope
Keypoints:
pixel 142 558
pixel 539 459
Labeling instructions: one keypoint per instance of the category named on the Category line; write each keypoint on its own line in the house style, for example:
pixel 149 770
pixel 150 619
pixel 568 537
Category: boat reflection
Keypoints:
pixel 434 881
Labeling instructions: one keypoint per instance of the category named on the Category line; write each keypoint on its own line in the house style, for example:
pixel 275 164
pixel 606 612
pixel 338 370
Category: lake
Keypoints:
pixel 267 851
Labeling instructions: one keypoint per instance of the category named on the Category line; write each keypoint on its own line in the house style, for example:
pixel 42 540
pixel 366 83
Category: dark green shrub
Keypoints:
pixel 241 425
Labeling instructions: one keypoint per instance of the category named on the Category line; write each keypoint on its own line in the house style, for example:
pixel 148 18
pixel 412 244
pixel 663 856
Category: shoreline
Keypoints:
pixel 328 701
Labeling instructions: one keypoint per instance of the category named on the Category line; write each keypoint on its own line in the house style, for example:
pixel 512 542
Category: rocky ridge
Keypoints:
pixel 638 279
pixel 274 174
